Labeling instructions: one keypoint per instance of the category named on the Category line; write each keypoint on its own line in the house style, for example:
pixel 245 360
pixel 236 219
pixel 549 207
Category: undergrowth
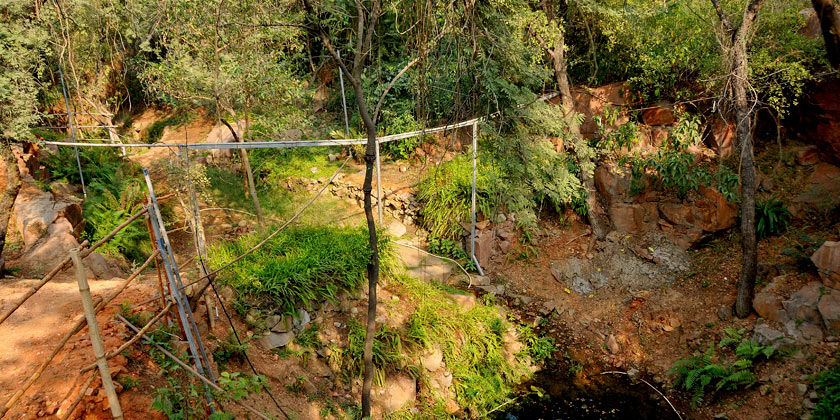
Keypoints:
pixel 706 372
pixel 299 266
pixel 446 194
pixel 114 192
pixel 155 131
pixel 827 384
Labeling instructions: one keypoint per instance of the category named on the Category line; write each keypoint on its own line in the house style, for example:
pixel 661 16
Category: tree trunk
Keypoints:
pixel 595 212
pixel 373 266
pixel 829 14
pixel 249 174
pixel 7 200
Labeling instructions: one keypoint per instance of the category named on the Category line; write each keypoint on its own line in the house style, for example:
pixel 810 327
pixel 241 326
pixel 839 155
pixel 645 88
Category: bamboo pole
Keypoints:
pixel 66 261
pixel 76 328
pixel 190 369
pixel 79 397
pixel 95 338
pixel 134 339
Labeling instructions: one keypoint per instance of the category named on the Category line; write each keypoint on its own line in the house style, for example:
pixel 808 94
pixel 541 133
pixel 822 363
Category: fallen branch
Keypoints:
pixel 189 369
pixel 79 396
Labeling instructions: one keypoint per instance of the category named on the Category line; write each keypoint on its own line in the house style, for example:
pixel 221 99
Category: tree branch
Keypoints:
pixel 724 18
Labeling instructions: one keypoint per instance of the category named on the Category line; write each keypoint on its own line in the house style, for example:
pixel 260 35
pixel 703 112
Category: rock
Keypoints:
pixel 768 305
pixel 658 115
pixel 764 389
pixel 802 305
pixel 480 281
pixel 301 320
pixel 724 313
pixel 807 156
pixel 829 308
pixel 484 247
pixel 612 344
pixel 827 260
pixel 280 324
pixel 398 391
pixel 822 193
pixel 221 134
pixel 396 229
pixel 592 102
pixel 432 359
pixel 819 118
pixel 634 218
pixel 466 302
pixel 812 28
pixel 804 333
pixel 34 211
pixel 766 336
pixel 274 340
pixel 801 390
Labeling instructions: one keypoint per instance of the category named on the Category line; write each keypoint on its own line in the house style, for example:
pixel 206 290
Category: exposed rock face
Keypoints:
pixel 399 390
pixel 685 222
pixel 822 193
pixel 592 102
pixel 820 118
pixel 720 136
pixel 827 260
pixel 812 27
pixel 659 115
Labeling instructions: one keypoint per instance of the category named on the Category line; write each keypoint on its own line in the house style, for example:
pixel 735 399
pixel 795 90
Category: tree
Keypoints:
pixel 734 50
pixel 556 49
pixel 20 64
pixel 829 13
pixel 367 15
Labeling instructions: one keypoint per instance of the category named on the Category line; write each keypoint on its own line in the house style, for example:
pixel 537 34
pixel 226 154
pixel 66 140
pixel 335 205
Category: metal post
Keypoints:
pixel 95 338
pixel 378 184
pixel 72 130
pixel 343 100
pixel 474 170
pixel 174 276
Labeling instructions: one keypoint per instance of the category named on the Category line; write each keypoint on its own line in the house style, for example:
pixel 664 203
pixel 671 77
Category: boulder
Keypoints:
pixel 432 359
pixel 827 260
pixel 766 336
pixel 592 102
pixel 658 115
pixel 484 247
pixel 398 391
pixel 819 119
pixel 823 189
pixel 807 156
pixel 634 218
pixel 829 308
pixel 221 134
pixel 34 211
pixel 767 304
pixel 612 184
pixel 396 229
pixel 274 340
pixel 812 28
pixel 466 302
pixel 301 320
pixel 802 305
pixel 803 333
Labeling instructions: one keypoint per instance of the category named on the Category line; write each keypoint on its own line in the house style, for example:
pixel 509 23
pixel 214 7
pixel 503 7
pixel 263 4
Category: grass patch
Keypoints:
pixel 155 131
pixel 271 166
pixel 827 383
pixel 300 266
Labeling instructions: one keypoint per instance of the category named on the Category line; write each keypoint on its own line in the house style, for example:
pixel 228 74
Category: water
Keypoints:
pixel 582 398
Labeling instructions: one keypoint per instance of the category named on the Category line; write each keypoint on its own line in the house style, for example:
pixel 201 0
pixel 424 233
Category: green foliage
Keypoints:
pixel 299 266
pixel 541 349
pixel 24 44
pixel 771 217
pixel 229 349
pixel 705 372
pixel 451 249
pixel 308 338
pixel 272 166
pixel 237 386
pixel 446 194
pixel 827 384
pixel 610 140
pixel 115 192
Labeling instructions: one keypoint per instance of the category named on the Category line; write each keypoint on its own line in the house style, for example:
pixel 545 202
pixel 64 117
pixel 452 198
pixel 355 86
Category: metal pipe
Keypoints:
pixel 474 170
pixel 343 100
pixel 72 130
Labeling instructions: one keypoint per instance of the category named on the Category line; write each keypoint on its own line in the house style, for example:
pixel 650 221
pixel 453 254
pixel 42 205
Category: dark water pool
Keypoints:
pixel 583 398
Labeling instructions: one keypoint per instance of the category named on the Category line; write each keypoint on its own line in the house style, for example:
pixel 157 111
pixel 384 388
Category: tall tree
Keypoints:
pixel 21 63
pixel 829 13
pixel 367 15
pixel 734 50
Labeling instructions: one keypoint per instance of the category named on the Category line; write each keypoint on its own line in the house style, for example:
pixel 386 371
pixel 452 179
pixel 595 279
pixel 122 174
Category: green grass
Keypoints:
pixel 300 266
pixel 154 132
pixel 274 165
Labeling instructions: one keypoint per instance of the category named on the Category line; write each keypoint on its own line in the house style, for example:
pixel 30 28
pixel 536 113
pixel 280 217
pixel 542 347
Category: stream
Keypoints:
pixel 566 396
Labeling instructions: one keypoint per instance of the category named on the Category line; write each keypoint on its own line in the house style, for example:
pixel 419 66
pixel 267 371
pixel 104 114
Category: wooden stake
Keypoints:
pixel 95 338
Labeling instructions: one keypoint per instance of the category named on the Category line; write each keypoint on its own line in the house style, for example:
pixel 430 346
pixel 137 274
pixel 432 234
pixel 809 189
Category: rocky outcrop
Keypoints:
pixel 720 136
pixel 221 134
pixel 662 114
pixel 819 118
pixel 827 261
pixel 398 391
pixel 685 222
pixel 822 191
pixel 593 101
pixel 768 304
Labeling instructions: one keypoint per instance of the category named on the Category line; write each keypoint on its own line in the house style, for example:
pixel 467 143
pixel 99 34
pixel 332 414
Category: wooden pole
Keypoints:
pixel 134 339
pixel 95 338
pixel 76 328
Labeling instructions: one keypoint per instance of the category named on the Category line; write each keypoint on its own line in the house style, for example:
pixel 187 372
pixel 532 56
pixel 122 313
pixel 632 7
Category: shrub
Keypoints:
pixel 155 131
pixel 451 249
pixel 771 217
pixel 230 349
pixel 446 194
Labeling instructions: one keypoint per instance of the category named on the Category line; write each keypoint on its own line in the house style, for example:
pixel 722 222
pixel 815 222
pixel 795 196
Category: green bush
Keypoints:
pixel 299 266
pixel 155 131
pixel 771 217
pixel 230 349
pixel 451 249
pixel 446 194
